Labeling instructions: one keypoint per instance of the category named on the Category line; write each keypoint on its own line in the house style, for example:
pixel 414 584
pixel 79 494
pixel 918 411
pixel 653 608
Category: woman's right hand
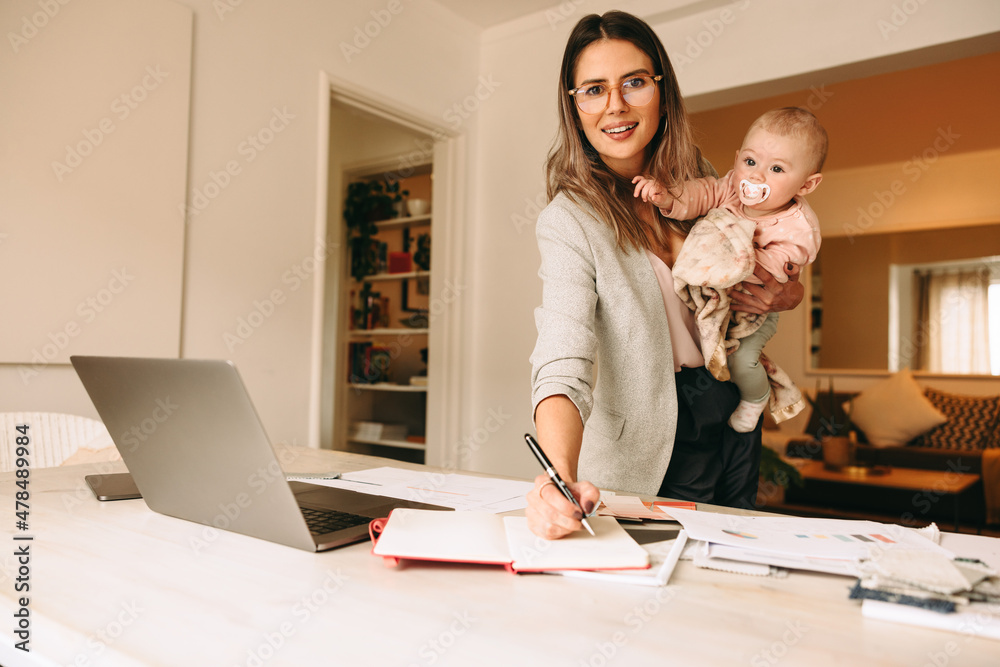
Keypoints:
pixel 551 515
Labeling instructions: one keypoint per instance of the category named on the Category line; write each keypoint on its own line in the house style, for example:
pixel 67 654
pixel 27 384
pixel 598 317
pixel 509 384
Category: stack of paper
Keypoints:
pixel 631 507
pixel 931 590
pixel 663 557
pixel 824 545
pixel 903 575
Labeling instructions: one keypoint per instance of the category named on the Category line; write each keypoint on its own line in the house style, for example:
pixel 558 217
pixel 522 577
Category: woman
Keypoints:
pixel 608 295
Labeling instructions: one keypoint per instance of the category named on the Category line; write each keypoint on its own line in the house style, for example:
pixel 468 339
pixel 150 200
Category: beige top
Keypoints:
pixel 683 330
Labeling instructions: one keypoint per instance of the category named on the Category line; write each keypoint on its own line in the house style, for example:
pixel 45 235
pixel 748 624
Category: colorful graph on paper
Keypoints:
pixel 871 537
pixel 802 537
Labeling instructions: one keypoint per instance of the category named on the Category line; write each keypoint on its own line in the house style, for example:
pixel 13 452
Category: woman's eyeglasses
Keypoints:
pixel 637 91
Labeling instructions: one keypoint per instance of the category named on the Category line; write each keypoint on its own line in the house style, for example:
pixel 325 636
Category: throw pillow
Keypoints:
pixel 972 421
pixel 894 411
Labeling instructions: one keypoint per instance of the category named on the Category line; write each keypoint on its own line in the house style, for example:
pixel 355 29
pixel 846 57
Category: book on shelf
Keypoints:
pixel 368 310
pixel 377 431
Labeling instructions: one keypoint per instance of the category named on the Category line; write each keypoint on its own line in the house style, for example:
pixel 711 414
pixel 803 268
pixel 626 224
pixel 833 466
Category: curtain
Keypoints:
pixel 952 333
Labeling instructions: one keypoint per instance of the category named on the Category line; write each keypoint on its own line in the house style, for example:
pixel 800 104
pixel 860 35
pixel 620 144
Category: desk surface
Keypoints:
pixel 116 584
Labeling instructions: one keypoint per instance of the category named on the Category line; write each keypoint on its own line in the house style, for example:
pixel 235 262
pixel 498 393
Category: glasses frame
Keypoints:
pixel 607 100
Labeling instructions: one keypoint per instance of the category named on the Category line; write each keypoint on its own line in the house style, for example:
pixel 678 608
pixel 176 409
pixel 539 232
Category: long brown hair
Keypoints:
pixel 574 166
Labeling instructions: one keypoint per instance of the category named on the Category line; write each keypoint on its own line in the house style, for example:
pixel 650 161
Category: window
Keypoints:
pixel 945 316
pixel 994 300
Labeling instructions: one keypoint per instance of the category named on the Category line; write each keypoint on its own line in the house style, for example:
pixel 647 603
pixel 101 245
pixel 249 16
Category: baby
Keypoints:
pixel 779 162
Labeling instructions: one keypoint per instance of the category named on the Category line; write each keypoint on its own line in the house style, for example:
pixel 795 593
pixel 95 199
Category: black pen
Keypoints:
pixel 556 479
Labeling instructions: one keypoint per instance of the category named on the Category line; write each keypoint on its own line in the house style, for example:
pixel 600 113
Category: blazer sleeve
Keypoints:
pixel 562 362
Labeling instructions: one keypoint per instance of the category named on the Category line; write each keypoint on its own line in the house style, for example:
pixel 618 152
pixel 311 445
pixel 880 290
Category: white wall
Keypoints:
pixel 256 72
pixel 93 130
pixel 753 42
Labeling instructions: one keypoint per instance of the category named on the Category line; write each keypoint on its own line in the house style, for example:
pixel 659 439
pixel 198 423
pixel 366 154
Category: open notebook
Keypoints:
pixel 479 537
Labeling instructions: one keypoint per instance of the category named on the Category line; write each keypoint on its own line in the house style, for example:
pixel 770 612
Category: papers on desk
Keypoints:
pixel 632 507
pixel 918 588
pixel 460 492
pixel 980 620
pixel 903 574
pixel 663 557
pixel 825 545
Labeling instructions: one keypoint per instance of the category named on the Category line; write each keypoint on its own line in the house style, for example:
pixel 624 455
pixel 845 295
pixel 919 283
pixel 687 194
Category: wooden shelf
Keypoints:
pixel 388 386
pixel 408 275
pixel 367 333
pixel 404 444
pixel 405 221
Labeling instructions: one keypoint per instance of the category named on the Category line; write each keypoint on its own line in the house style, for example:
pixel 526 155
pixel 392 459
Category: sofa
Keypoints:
pixel 898 423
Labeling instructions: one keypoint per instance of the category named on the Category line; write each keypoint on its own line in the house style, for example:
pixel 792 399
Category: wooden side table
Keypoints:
pixel 852 492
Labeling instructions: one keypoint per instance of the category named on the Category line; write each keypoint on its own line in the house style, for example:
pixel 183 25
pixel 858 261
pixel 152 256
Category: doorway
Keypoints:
pixel 361 138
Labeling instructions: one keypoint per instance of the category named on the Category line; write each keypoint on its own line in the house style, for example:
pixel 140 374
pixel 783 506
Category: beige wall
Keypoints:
pixel 261 61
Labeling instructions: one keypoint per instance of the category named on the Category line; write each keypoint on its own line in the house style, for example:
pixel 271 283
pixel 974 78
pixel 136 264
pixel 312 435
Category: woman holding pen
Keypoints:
pixel 654 422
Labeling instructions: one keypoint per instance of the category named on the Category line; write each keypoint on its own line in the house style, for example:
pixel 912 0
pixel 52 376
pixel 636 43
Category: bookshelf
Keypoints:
pixel 383 390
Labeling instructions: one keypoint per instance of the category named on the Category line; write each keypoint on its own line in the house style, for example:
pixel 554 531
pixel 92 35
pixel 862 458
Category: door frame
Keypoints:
pixel 448 277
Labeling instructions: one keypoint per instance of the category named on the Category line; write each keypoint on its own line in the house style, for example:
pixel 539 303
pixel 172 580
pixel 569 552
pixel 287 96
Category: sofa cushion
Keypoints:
pixel 894 411
pixel 972 422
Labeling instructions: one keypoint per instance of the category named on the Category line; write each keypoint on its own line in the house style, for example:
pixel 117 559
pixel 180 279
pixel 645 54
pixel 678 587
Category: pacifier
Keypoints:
pixel 753 193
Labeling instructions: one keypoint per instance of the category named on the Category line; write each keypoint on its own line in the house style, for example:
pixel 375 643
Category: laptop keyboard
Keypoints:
pixel 328 521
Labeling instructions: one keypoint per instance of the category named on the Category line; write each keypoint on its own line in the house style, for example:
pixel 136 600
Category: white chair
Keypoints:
pixel 55 438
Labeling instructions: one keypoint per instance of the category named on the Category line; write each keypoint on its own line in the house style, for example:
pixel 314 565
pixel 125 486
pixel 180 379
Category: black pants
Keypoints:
pixel 711 462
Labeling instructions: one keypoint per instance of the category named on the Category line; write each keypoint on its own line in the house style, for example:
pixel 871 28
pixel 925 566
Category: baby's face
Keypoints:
pixel 781 163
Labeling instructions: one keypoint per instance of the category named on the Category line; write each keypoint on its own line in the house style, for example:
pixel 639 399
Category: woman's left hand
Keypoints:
pixel 771 296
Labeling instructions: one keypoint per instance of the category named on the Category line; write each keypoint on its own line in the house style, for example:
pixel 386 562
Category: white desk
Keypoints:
pixel 116 584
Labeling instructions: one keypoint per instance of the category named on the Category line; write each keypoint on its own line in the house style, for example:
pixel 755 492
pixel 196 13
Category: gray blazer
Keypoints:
pixel 602 303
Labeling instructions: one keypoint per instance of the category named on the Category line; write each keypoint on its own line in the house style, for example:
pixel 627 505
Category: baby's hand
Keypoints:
pixel 651 191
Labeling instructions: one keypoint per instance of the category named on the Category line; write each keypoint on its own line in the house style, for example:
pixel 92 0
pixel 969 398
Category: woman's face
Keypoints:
pixel 620 133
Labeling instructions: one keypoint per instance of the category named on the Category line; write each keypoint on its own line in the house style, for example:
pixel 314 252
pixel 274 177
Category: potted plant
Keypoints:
pixel 775 476
pixel 366 203
pixel 835 435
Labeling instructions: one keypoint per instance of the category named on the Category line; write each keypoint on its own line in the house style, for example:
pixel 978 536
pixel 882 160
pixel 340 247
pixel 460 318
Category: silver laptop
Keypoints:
pixel 190 437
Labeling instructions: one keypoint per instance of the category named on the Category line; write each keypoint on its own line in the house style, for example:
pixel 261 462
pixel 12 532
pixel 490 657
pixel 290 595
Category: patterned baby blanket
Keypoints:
pixel 717 254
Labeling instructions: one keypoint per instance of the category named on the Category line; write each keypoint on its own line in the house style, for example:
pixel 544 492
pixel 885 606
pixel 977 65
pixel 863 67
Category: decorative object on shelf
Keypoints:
pixel 370 310
pixel 367 202
pixel 417 320
pixel 369 363
pixel 418 206
pixel 422 257
pixel 400 262
pixel 399 208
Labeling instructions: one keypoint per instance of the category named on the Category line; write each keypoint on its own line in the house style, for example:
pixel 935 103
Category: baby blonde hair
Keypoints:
pixel 799 123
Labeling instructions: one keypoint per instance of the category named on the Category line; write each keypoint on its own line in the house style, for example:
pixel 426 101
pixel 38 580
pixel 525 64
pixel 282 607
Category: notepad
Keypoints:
pixel 663 557
pixel 481 537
